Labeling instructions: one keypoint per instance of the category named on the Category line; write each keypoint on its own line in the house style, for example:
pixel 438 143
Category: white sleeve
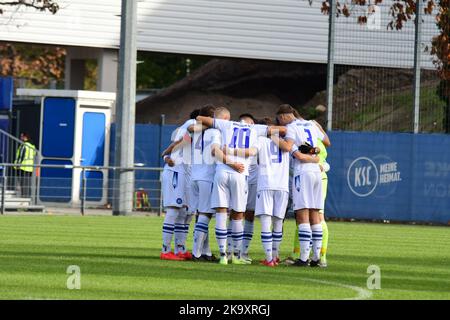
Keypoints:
pixel 290 134
pixel 261 130
pixel 221 124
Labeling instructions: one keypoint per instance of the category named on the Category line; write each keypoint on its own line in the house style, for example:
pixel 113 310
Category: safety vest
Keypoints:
pixel 25 155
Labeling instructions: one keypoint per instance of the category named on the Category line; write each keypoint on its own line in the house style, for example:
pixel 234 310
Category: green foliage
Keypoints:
pixel 160 70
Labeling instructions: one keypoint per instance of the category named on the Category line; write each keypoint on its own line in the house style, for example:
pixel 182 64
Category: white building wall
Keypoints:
pixel 290 30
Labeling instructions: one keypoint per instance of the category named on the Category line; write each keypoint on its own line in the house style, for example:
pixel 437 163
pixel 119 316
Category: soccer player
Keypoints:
pixel 203 170
pixel 230 187
pixel 324 168
pixel 272 194
pixel 249 215
pixel 174 200
pixel 307 186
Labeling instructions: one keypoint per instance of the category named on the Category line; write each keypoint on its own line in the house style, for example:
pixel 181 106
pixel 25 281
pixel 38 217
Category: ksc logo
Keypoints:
pixel 362 176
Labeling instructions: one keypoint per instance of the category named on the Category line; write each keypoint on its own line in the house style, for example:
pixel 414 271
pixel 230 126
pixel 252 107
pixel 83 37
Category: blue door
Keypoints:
pixel 93 153
pixel 58 128
pixel 56 183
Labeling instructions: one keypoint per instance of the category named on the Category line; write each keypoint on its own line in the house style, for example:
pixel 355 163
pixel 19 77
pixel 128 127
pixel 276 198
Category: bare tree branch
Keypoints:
pixel 41 5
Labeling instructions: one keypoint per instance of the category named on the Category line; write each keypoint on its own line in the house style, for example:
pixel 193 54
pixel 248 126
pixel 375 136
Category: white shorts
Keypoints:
pixel 272 202
pixel 230 190
pixel 251 199
pixel 200 196
pixel 173 189
pixel 307 191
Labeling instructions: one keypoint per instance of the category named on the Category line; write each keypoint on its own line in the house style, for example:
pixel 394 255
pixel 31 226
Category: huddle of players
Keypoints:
pixel 236 170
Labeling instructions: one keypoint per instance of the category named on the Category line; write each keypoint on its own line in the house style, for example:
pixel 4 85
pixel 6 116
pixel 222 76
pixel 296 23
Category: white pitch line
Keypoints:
pixel 363 294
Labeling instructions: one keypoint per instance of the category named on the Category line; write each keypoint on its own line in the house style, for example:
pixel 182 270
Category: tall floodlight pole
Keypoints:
pixel 330 63
pixel 125 110
pixel 417 55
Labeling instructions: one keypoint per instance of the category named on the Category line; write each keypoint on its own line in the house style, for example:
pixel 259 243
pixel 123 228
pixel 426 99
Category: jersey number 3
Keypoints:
pixel 309 139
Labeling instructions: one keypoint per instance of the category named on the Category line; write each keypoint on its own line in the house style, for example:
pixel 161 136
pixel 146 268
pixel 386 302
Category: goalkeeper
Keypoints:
pixel 324 167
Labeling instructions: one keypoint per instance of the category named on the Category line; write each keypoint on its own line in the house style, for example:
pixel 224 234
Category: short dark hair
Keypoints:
pixel 194 114
pixel 286 108
pixel 247 115
pixel 266 120
pixel 208 110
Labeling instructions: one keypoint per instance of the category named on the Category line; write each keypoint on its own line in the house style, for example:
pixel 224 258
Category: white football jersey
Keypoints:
pixel 181 156
pixel 301 131
pixel 238 135
pixel 261 130
pixel 204 164
pixel 273 169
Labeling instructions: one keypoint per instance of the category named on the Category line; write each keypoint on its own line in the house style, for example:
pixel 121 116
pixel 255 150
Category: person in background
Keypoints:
pixel 25 155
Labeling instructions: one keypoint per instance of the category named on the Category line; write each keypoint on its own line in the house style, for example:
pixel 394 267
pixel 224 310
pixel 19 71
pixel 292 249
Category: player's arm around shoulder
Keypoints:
pixel 205 121
pixel 240 152
pixel 283 144
pixel 302 157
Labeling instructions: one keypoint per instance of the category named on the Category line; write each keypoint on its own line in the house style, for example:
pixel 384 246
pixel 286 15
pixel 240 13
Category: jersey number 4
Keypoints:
pixel 241 137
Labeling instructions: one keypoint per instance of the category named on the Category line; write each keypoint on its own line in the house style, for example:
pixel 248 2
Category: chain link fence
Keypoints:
pixel 56 188
pixel 374 73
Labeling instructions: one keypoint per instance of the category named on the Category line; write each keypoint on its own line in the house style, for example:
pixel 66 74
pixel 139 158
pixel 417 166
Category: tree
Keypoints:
pixel 402 11
pixel 42 5
pixel 36 63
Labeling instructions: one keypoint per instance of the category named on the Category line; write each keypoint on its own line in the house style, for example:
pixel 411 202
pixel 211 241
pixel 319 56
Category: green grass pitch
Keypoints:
pixel 119 259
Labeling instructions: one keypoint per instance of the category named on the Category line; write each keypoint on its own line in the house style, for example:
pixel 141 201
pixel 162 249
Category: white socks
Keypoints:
pixel 248 235
pixel 168 229
pixel 237 233
pixel 277 235
pixel 229 239
pixel 317 235
pixel 266 235
pixel 304 236
pixel 221 232
pixel 179 232
pixel 200 234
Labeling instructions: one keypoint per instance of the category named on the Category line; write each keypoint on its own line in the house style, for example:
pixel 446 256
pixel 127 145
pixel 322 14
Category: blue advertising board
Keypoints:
pixel 389 176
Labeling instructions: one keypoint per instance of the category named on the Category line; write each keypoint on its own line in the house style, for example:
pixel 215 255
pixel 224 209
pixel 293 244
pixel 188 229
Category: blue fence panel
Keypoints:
pixel 150 140
pixel 392 176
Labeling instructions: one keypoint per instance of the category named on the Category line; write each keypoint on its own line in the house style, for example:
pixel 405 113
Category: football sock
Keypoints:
pixel 229 239
pixel 248 235
pixel 296 248
pixel 200 233
pixel 304 235
pixel 179 231
pixel 266 235
pixel 187 224
pixel 277 235
pixel 317 240
pixel 168 229
pixel 206 248
pixel 237 233
pixel 323 252
pixel 221 232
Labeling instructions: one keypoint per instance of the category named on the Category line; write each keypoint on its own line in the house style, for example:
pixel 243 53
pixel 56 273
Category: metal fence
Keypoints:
pixel 383 79
pixel 55 188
